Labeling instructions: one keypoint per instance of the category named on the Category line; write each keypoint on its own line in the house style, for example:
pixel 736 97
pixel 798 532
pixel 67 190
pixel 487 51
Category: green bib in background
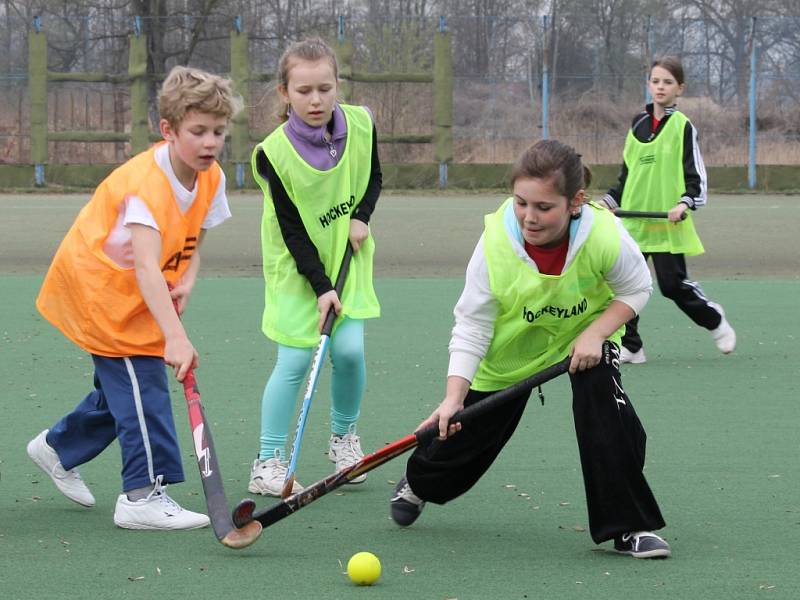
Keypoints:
pixel 325 201
pixel 655 183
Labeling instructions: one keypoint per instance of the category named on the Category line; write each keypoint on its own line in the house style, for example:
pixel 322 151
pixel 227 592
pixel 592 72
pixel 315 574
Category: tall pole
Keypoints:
pixel 137 71
pixel 751 160
pixel 545 80
pixel 37 92
pixel 240 73
pixel 443 101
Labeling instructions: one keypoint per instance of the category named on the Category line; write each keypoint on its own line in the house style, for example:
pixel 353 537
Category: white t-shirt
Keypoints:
pixel 118 245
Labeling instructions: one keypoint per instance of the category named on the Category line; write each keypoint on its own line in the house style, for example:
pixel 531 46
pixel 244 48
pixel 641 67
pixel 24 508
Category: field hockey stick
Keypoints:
pixel 213 490
pixel 313 377
pixel 645 214
pixel 243 514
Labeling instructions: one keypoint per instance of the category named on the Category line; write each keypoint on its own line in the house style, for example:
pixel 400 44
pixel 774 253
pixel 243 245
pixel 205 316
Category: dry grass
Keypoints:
pixel 492 123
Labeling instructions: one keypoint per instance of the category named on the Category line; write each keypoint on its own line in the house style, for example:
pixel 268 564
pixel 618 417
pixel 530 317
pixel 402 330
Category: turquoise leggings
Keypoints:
pixel 349 376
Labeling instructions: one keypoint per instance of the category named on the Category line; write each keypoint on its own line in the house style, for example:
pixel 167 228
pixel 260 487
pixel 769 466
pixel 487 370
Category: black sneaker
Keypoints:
pixel 405 505
pixel 642 544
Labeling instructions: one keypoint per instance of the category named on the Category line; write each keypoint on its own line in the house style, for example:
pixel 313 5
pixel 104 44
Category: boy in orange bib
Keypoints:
pixel 108 290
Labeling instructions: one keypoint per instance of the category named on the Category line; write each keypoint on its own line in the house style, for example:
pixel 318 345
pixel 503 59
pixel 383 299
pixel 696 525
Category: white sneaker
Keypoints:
pixel 634 358
pixel 268 476
pixel 345 450
pixel 158 511
pixel 69 482
pixel 724 335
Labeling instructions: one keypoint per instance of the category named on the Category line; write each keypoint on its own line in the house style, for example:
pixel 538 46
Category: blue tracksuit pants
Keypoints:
pixel 130 403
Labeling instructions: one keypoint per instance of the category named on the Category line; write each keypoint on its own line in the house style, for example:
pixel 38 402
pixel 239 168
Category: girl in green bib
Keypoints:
pixel 551 276
pixel 663 171
pixel 321 178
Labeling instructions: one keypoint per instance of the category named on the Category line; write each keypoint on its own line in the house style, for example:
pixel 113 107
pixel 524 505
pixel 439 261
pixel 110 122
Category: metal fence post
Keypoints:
pixel 545 81
pixel 751 159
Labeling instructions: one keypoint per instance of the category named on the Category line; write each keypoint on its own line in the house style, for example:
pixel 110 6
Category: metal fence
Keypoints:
pixel 514 80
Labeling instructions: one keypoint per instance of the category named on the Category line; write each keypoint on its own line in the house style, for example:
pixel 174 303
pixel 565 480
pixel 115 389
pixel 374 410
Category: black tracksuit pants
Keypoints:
pixel 674 283
pixel 611 442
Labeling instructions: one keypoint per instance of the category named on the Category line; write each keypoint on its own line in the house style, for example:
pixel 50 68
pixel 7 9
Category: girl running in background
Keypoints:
pixel 664 171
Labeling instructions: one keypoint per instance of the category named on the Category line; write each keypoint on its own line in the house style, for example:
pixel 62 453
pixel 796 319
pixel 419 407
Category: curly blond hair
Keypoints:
pixel 186 88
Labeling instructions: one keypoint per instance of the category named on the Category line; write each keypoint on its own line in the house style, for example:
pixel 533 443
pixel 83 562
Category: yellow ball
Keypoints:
pixel 364 568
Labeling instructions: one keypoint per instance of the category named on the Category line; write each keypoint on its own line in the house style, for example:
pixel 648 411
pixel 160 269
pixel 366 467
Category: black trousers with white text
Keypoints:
pixel 611 443
pixel 674 283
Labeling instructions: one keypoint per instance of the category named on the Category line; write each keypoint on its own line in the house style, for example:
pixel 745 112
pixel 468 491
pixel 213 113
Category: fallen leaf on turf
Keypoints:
pixel 139 578
pixel 407 569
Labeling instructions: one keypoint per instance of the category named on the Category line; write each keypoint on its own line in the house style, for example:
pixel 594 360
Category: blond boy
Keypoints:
pixel 108 290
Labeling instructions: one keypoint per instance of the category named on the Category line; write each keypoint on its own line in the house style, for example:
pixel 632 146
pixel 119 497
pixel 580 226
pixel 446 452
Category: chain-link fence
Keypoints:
pixel 508 74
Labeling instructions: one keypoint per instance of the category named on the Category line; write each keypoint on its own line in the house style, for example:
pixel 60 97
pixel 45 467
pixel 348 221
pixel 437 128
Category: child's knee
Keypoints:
pixel 350 358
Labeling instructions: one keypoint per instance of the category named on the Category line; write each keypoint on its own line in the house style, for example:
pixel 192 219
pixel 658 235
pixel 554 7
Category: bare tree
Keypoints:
pixel 730 28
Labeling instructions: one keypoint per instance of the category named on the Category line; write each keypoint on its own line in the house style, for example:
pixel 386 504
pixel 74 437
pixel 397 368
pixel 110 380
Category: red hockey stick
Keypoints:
pixel 243 514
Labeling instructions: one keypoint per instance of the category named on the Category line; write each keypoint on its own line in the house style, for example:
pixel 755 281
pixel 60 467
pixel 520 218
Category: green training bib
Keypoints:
pixel 539 316
pixel 655 183
pixel 325 201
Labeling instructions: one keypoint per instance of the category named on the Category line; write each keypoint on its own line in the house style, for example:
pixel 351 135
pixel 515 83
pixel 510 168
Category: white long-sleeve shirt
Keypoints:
pixel 476 310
